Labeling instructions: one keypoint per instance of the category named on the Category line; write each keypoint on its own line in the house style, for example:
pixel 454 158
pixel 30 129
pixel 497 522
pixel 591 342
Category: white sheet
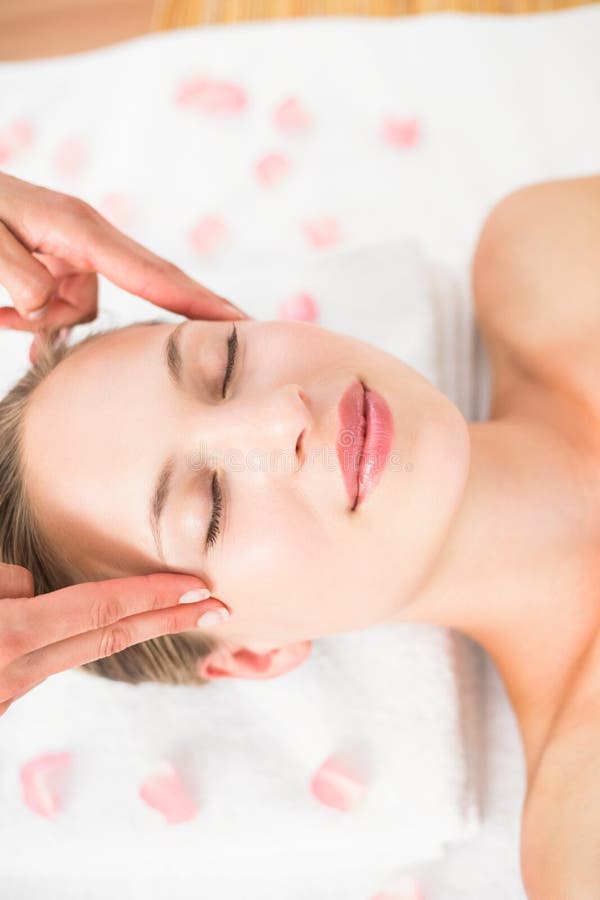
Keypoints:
pixel 482 104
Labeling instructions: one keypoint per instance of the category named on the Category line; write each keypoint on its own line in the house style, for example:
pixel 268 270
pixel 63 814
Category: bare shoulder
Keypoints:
pixel 536 284
pixel 560 838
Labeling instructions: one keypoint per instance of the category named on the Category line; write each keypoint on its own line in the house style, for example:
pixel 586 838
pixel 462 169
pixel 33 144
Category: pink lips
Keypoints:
pixel 364 440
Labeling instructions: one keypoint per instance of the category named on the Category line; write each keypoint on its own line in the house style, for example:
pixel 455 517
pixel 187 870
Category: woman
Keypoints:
pixel 236 432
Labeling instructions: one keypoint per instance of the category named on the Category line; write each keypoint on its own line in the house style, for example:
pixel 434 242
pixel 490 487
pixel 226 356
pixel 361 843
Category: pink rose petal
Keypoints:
pixel 290 116
pixel 20 133
pixel 272 168
pixel 6 150
pixel 17 135
pixel 41 780
pixel 404 889
pixel 322 232
pixel 401 132
pixel 208 234
pixel 165 792
pixel 117 208
pixel 70 157
pixel 301 307
pixel 335 785
pixel 208 96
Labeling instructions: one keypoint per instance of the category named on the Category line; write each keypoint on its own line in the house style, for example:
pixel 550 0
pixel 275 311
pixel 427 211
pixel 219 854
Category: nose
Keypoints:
pixel 272 425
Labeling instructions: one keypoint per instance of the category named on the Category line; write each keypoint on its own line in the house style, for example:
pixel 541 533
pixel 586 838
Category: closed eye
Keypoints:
pixel 215 521
pixel 232 345
pixel 217 492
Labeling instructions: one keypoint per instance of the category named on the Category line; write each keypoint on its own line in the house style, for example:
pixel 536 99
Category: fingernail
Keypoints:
pixel 213 617
pixel 195 596
pixel 231 308
pixel 37 313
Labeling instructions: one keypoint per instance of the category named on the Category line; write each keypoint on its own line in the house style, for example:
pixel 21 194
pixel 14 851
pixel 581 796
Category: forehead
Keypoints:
pixel 92 371
pixel 89 426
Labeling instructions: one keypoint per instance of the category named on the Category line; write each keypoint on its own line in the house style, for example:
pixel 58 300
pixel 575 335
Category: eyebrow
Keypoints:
pixel 162 488
pixel 172 353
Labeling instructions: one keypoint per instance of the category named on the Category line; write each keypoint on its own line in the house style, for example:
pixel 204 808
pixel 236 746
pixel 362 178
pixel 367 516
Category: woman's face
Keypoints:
pixel 292 561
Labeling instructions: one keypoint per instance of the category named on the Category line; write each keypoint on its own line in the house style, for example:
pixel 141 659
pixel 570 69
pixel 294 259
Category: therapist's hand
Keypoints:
pixel 55 632
pixel 52 247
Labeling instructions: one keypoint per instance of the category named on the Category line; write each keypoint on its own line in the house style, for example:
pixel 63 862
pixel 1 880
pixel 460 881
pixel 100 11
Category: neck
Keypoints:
pixel 513 573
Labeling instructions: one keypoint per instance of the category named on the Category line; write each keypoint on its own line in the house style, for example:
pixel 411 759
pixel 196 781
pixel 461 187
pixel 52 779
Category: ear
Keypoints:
pixel 243 663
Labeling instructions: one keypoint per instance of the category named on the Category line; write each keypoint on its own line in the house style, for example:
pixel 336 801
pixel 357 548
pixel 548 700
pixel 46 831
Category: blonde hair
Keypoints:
pixel 169 658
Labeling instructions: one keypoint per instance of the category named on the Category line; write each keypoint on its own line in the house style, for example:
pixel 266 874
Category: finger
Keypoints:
pixel 57 311
pixel 28 282
pixel 56 266
pixel 76 651
pixel 219 312
pixel 15 581
pixel 81 291
pixel 26 691
pixel 82 236
pixel 74 286
pixel 8 703
pixel 76 301
pixel 29 623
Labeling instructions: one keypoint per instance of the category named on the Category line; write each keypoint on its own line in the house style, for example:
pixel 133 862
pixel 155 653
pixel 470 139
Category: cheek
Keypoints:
pixel 281 576
pixel 265 557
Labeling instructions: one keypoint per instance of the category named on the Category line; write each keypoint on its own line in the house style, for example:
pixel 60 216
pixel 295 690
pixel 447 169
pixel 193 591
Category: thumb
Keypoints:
pixel 15 581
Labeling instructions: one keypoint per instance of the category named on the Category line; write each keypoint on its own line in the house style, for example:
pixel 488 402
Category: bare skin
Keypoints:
pixel 518 569
pixel 536 279
pixel 52 248
pixel 49 633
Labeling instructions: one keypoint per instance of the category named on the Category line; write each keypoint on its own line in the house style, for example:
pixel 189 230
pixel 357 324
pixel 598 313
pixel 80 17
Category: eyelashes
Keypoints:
pixel 217 493
pixel 217 508
pixel 232 348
